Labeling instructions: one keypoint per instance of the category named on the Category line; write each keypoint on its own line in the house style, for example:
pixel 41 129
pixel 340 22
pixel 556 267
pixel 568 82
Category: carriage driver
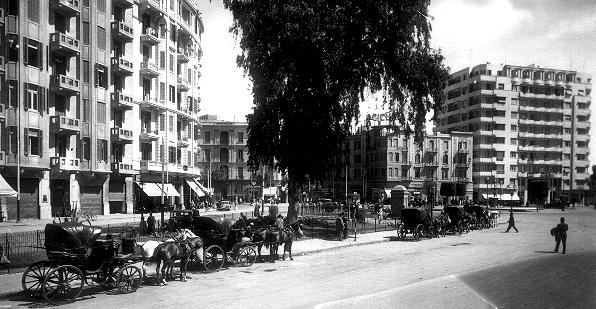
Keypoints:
pixel 279 222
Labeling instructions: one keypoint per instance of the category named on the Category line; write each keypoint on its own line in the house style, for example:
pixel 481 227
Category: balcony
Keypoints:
pixel 121 101
pixel 183 56
pixel 152 103
pixel 149 136
pixel 184 113
pixel 65 164
pixel 152 6
pixel 123 168
pixel 149 69
pixel 121 66
pixel 122 136
pixel 122 31
pixel 68 7
pixel 63 44
pixel 185 28
pixel 183 84
pixel 149 36
pixel 183 142
pixel 64 85
pixel 64 125
pixel 150 166
pixel 123 3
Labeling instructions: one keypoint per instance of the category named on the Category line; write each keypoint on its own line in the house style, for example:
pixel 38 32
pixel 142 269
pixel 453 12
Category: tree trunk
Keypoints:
pixel 293 200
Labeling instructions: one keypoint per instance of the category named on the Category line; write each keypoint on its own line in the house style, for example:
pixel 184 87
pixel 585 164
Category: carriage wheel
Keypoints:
pixel 459 228
pixel 247 255
pixel 467 227
pixel 214 258
pixel 32 280
pixel 62 285
pixel 129 279
pixel 418 232
pixel 401 232
pixel 108 282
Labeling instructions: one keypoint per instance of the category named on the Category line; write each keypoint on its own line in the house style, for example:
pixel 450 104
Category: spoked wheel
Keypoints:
pixel 62 285
pixel 107 282
pixel 418 232
pixel 460 229
pixel 128 279
pixel 247 256
pixel 214 258
pixel 32 280
pixel 401 232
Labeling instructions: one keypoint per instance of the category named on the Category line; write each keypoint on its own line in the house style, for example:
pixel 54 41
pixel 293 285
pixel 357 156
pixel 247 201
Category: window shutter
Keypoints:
pixel 42 100
pixel 26 140
pixel 40 55
pixel 25 45
pixel 4 137
pixel 40 139
pixel 25 98
pixel 79 153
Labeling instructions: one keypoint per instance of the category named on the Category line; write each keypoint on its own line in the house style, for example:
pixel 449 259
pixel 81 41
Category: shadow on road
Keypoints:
pixel 542 251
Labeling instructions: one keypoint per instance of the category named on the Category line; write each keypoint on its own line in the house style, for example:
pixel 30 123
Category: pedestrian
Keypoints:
pixel 151 224
pixel 279 222
pixel 256 210
pixel 560 232
pixel 511 223
pixel 339 227
pixel 345 222
pixel 143 225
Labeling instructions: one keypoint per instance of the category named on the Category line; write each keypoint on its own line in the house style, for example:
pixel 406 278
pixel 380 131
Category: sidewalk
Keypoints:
pixel 10 284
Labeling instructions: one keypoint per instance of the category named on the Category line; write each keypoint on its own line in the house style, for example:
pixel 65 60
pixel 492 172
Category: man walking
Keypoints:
pixel 511 223
pixel 561 235
pixel 151 225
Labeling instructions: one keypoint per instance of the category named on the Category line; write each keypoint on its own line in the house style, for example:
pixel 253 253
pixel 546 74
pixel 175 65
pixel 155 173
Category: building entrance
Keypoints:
pixel 537 191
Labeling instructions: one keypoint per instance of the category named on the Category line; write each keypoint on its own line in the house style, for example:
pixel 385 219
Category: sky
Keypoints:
pixel 557 34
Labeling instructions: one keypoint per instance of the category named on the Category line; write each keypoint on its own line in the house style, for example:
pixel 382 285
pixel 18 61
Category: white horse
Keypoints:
pixel 148 250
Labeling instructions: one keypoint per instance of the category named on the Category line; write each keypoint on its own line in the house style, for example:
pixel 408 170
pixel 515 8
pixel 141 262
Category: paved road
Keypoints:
pixel 484 269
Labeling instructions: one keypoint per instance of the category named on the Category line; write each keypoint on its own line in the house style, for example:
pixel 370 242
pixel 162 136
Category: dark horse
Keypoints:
pixel 168 252
pixel 276 237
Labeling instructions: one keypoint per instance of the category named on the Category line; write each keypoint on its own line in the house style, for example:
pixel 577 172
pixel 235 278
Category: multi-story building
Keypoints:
pixel 382 157
pixel 225 154
pixel 531 129
pixel 84 115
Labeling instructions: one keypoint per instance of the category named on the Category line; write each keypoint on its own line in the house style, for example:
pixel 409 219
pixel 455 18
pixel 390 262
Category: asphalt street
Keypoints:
pixel 483 269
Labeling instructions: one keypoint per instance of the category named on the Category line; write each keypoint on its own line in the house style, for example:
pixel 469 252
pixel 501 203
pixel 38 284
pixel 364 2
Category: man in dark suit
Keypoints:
pixel 511 223
pixel 561 235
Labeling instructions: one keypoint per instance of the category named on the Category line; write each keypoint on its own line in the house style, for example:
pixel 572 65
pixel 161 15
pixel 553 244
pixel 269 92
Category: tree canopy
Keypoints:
pixel 311 63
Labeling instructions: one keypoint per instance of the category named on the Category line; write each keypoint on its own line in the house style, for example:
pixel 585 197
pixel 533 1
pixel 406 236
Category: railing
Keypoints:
pixel 58 39
pixel 65 163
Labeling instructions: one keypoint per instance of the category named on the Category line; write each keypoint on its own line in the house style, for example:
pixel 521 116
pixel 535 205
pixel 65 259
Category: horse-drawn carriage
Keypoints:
pixel 478 215
pixel 413 221
pixel 457 219
pixel 77 253
pixel 223 244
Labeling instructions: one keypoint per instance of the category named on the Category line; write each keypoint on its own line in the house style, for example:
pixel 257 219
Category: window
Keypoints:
pixel 101 112
pixel 207 137
pixel 445 173
pixel 162 60
pixel 86 110
pixel 240 137
pixel 240 172
pixel 101 38
pixel 513 127
pixel 513 154
pixel 514 141
pixel 173 32
pixel 32 101
pixel 101 77
pixel 33 54
pixel 172 94
pixel 33 10
pixel 86 148
pixel 172 154
pixel 240 156
pixel 86 73
pixel 171 63
pixel 445 158
pixel 208 155
pixel 162 122
pixel 86 34
pixel 513 168
pixel 171 124
pixel 101 5
pixel 102 150
pixel 162 91
pixel 33 142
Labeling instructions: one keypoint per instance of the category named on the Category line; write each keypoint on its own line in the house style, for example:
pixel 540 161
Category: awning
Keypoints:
pixel 193 185
pixel 169 190
pixel 5 189
pixel 270 191
pixel 205 190
pixel 487 196
pixel 150 188
pixel 506 197
pixel 515 197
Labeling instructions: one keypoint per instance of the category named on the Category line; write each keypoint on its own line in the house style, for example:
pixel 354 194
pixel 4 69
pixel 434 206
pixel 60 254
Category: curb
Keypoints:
pixel 353 244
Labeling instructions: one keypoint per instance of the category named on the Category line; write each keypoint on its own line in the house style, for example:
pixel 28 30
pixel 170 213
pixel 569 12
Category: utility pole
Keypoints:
pixel 161 155
pixel 18 154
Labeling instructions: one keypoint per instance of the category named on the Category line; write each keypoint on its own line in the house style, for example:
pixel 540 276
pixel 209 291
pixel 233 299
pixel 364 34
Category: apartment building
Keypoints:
pixel 531 129
pixel 382 157
pixel 84 115
pixel 225 154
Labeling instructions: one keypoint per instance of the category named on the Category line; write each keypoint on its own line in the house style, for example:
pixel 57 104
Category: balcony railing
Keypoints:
pixel 183 55
pixel 121 66
pixel 122 135
pixel 149 36
pixel 65 164
pixel 64 84
pixel 183 84
pixel 122 31
pixel 150 166
pixel 148 135
pixel 153 5
pixel 122 101
pixel 69 7
pixel 149 68
pixel 123 168
pixel 64 44
pixel 64 125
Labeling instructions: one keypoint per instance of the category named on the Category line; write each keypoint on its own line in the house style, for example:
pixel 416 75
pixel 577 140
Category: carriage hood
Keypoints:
pixel 206 224
pixel 65 236
pixel 413 215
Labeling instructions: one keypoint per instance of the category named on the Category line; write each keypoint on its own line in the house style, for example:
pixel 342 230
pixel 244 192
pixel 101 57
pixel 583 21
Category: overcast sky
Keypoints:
pixel 549 33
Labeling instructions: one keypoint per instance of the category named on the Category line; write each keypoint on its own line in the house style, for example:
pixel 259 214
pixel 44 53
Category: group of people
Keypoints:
pixel 149 225
pixel 341 227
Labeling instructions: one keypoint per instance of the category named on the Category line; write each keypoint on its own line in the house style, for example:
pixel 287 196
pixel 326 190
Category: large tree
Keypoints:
pixel 311 63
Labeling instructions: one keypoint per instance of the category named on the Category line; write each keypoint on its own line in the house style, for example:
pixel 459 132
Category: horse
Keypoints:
pixel 182 250
pixel 284 236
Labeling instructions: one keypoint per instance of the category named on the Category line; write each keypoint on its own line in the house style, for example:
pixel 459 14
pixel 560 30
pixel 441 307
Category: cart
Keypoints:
pixel 413 221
